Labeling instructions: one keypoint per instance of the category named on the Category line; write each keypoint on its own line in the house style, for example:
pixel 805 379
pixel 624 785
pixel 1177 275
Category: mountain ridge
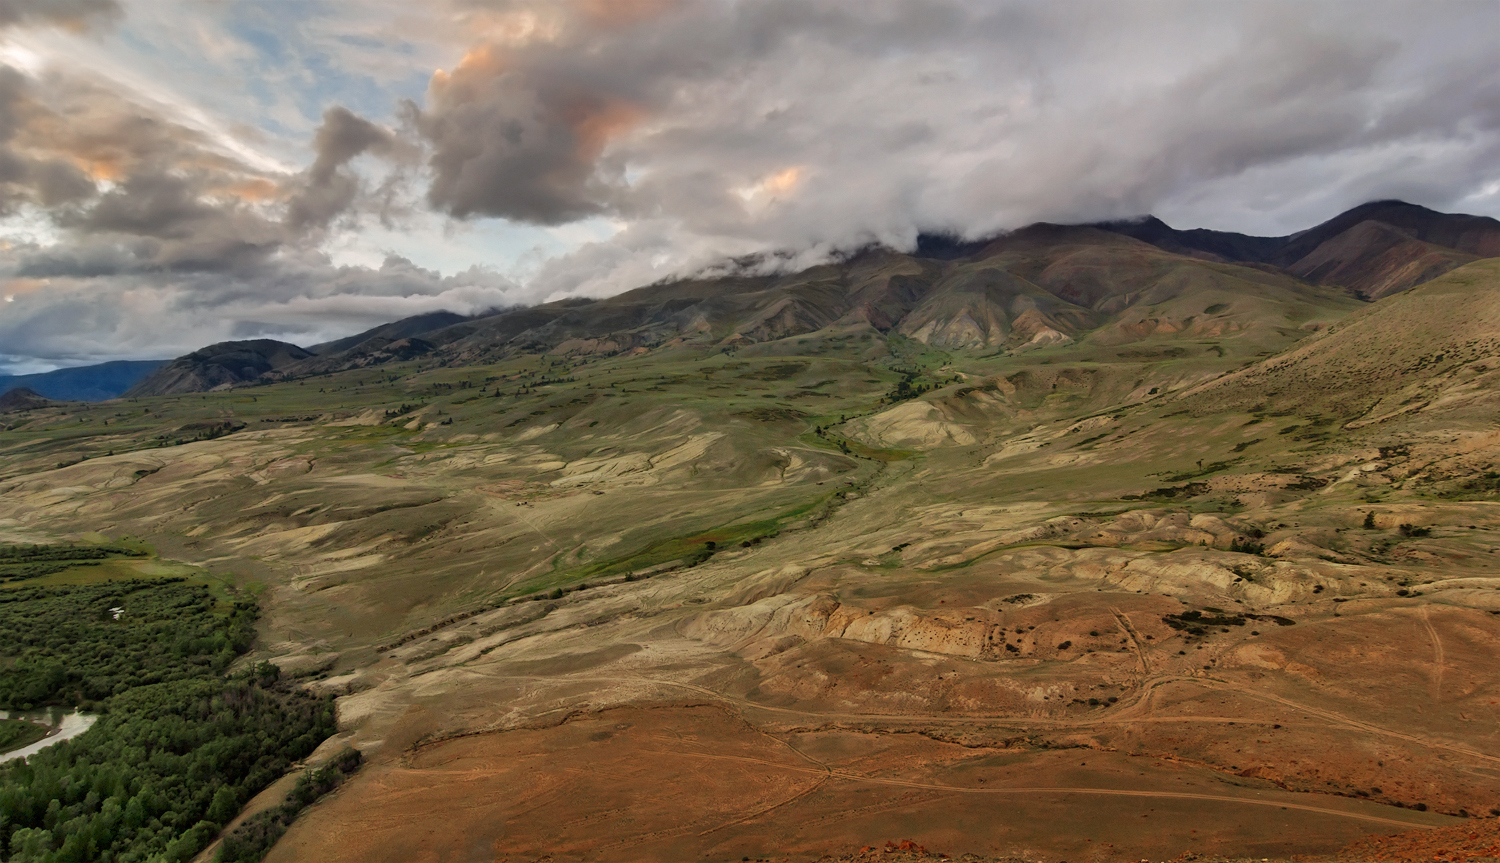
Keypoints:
pixel 1375 249
pixel 1045 284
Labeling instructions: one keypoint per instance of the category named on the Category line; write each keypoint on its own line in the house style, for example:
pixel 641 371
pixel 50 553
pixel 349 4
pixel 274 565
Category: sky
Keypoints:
pixel 175 173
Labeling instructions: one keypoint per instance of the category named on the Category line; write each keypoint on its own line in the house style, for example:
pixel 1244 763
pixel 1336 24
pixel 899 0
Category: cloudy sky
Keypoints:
pixel 178 173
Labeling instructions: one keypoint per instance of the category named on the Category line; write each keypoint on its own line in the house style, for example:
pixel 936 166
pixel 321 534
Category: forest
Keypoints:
pixel 180 745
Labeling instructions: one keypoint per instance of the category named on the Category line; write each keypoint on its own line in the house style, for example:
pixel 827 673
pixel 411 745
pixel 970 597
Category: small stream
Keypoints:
pixel 65 725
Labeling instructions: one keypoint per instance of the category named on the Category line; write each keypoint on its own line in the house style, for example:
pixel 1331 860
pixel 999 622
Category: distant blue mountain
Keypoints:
pixel 85 383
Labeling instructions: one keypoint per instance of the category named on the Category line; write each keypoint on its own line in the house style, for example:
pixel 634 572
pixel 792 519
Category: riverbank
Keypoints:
pixel 56 726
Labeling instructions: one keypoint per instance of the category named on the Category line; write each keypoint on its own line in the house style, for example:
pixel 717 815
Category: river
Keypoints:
pixel 64 725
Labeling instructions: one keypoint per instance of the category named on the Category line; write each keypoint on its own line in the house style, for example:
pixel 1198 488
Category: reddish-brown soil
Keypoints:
pixel 1477 841
pixel 698 783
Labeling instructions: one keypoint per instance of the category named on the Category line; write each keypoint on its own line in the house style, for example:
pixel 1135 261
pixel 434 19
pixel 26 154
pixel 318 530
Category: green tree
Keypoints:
pixel 225 804
pixel 135 814
pixel 30 845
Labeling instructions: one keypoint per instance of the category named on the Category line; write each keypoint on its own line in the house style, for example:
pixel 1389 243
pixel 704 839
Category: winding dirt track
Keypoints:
pixel 1436 687
pixel 1135 638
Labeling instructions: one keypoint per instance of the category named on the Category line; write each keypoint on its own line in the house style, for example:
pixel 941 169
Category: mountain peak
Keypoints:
pixel 22 399
pixel 219 365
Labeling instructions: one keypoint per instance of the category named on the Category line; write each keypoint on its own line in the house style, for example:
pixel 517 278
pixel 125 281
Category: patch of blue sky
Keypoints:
pixel 290 64
pixel 448 247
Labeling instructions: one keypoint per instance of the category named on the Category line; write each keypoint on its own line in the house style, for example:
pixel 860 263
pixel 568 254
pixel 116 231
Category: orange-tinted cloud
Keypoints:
pixel 479 63
pixel 594 125
pixel 615 13
pixel 104 165
pixel 511 140
pixel 18 287
pixel 254 190
pixel 782 181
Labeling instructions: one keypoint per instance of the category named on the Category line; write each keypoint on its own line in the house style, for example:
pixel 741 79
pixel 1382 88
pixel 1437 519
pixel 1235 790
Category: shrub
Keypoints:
pixel 1246 546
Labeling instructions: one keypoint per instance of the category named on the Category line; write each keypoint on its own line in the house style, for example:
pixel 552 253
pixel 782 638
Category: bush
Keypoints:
pixel 1246 546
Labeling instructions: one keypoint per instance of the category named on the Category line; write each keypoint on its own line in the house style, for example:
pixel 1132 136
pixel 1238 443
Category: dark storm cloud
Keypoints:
pixel 517 149
pixel 816 123
pixel 82 260
pixel 329 189
pixel 517 131
pixel 189 231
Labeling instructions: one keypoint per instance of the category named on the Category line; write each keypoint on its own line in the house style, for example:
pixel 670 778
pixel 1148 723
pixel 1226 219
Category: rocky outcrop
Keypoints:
pixel 776 623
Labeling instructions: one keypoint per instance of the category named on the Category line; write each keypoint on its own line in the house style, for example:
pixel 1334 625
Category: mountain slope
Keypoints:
pixel 1474 235
pixel 1108 285
pixel 1433 348
pixel 1199 242
pixel 405 328
pixel 220 365
pixel 1375 259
